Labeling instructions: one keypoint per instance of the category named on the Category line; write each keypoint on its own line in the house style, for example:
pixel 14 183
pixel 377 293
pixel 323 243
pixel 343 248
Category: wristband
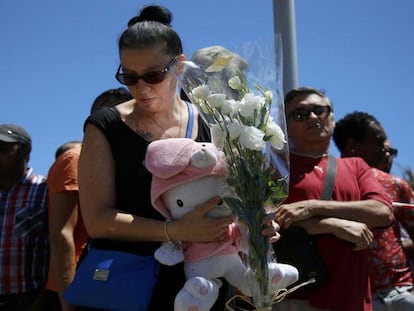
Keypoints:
pixel 166 231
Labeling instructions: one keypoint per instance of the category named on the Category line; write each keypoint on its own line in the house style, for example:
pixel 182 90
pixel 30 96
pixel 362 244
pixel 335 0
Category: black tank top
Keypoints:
pixel 133 184
pixel 132 180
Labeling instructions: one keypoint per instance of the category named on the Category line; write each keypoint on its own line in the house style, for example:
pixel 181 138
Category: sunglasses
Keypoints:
pixel 392 151
pixel 302 114
pixel 152 77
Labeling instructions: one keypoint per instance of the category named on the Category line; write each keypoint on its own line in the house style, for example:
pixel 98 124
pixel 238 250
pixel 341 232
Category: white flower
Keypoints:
pixel 275 135
pixel 229 107
pixel 243 128
pixel 235 130
pixel 235 83
pixel 269 96
pixel 252 138
pixel 217 100
pixel 201 92
pixel 249 104
pixel 218 136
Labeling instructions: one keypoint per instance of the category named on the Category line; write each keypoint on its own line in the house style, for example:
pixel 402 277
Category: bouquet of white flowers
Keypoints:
pixel 249 127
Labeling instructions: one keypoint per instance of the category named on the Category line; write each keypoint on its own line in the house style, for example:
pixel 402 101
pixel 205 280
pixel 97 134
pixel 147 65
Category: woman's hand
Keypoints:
pixel 195 226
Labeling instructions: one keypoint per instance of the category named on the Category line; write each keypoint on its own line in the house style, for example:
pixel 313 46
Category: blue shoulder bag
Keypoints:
pixel 113 280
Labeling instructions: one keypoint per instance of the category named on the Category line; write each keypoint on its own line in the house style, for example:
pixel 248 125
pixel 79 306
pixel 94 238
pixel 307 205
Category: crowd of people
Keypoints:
pixel 357 231
pixel 99 190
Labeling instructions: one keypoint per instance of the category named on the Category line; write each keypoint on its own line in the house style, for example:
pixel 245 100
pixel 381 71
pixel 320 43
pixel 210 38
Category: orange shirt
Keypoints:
pixel 63 176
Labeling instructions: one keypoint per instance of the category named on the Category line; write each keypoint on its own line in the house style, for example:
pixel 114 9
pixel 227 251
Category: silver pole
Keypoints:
pixel 285 24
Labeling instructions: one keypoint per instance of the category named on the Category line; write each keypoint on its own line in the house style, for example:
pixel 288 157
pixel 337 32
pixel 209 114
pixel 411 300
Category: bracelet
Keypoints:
pixel 166 230
pixel 175 245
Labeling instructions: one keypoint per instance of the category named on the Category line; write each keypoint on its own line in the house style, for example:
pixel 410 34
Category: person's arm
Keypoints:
pixel 407 234
pixel 407 243
pixel 370 212
pixel 407 229
pixel 352 231
pixel 63 217
pixel 405 212
pixel 102 218
pixel 408 247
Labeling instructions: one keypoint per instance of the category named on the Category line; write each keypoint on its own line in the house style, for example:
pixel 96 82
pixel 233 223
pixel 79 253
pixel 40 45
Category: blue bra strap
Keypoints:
pixel 189 130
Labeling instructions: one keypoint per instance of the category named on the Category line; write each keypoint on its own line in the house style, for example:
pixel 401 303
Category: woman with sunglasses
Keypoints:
pixel 343 224
pixel 114 184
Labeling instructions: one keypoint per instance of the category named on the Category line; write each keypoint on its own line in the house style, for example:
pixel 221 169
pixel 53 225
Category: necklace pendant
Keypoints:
pixel 145 134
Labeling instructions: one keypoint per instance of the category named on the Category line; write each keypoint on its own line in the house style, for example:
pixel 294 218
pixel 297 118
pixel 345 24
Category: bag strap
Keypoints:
pixel 329 178
pixel 189 129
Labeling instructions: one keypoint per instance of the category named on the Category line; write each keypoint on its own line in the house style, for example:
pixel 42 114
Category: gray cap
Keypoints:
pixel 11 133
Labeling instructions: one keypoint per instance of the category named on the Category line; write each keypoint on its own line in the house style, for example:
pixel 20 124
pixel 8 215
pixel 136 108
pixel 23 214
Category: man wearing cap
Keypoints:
pixel 24 247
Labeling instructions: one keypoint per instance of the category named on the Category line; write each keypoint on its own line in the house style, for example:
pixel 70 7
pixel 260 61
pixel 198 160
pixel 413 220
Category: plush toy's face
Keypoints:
pixel 183 198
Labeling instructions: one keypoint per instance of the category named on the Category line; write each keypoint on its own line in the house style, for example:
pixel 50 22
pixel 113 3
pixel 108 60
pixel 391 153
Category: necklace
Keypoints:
pixel 164 130
pixel 148 135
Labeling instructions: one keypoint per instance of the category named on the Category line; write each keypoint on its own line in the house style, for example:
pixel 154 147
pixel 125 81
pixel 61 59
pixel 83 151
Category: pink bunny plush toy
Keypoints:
pixel 186 174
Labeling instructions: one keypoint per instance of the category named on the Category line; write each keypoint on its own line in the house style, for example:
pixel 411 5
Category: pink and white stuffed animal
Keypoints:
pixel 186 174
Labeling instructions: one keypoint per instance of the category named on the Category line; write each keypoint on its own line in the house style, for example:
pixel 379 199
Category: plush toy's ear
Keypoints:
pixel 168 157
pixel 203 158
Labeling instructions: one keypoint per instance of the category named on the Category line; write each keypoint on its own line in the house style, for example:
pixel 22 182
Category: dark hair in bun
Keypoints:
pixel 149 29
pixel 152 13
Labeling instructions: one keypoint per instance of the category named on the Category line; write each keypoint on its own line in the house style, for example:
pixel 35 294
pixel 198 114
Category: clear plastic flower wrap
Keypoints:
pixel 239 95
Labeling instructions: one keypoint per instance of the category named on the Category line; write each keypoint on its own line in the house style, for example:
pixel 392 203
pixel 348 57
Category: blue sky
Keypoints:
pixel 57 56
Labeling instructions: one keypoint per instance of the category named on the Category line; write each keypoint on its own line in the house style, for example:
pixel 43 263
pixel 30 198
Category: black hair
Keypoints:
pixel 152 27
pixel 110 98
pixel 355 125
pixel 66 146
pixel 305 90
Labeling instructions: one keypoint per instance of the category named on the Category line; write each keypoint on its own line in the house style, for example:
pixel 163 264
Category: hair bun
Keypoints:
pixel 154 13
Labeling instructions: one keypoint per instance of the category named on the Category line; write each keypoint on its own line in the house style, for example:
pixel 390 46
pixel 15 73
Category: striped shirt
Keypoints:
pixel 24 245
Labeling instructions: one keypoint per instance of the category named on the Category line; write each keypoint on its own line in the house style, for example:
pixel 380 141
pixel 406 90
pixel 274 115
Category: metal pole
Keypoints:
pixel 285 24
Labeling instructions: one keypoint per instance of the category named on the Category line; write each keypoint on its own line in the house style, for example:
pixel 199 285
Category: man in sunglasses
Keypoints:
pixel 341 227
pixel 360 134
pixel 24 246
